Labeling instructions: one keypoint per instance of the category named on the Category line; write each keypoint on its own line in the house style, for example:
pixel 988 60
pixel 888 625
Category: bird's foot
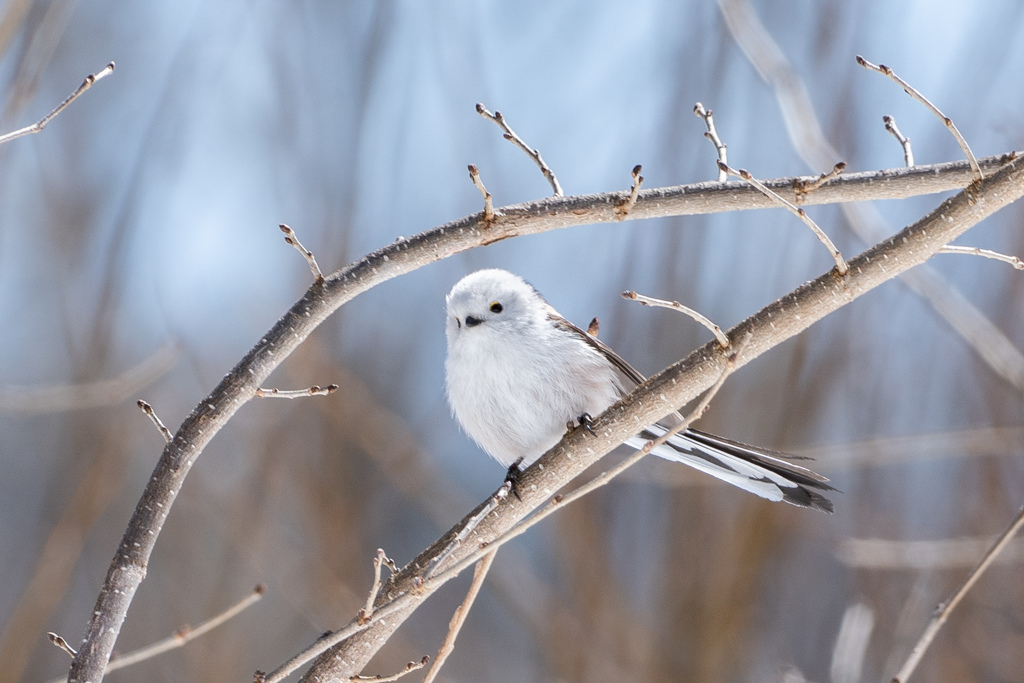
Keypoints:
pixel 512 477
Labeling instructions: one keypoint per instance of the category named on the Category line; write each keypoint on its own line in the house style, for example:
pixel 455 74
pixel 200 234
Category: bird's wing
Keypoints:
pixel 761 471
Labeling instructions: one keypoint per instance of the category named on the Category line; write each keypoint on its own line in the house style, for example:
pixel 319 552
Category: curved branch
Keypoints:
pixel 673 387
pixel 129 565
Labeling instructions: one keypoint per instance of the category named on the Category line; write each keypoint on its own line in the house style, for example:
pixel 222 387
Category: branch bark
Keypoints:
pixel 678 384
pixel 129 565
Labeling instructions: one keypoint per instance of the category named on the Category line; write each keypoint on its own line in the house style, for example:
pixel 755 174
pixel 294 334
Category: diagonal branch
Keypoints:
pixel 841 266
pixel 947 607
pixel 674 386
pixel 130 562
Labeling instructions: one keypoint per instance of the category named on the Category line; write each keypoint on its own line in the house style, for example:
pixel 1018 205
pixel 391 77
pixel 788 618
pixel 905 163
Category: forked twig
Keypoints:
pixel 314 390
pixel 841 265
pixel 723 340
pixel 908 153
pixel 913 92
pixel 148 410
pixel 623 209
pixel 41 123
pixel 511 136
pixel 459 618
pixel 474 175
pixel 712 135
pixel 947 607
pixel 379 560
pixel 291 238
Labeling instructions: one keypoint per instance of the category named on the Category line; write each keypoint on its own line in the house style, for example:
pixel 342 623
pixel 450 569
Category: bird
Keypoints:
pixel 517 374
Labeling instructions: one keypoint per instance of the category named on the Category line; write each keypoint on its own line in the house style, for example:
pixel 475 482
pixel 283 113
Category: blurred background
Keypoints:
pixel 140 258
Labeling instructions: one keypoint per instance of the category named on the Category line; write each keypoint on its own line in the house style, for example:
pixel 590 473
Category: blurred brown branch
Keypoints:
pixel 58 398
pixel 947 607
pixel 182 636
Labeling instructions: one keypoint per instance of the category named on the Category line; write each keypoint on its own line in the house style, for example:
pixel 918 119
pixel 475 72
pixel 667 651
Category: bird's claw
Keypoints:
pixel 512 478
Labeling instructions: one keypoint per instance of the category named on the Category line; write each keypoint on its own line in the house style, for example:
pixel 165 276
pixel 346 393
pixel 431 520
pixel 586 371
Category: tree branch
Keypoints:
pixel 809 141
pixel 41 123
pixel 914 93
pixel 678 384
pixel 129 565
pixel 908 151
pixel 947 608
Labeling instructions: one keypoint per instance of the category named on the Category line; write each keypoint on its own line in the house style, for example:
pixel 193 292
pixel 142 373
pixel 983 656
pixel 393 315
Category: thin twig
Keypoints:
pixel 41 123
pixel 411 666
pixel 947 607
pixel 696 413
pixel 291 238
pixel 459 618
pixel 723 340
pixel 474 175
pixel 805 187
pixel 630 201
pixel 314 390
pixel 470 526
pixel 908 152
pixel 62 644
pixel 712 135
pixel 148 410
pixel 987 253
pixel 185 634
pixel 841 265
pixel 511 136
pixel 182 635
pixel 379 560
pixel 912 91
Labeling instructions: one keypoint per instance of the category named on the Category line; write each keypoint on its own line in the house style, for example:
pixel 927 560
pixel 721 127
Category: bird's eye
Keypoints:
pixel 496 307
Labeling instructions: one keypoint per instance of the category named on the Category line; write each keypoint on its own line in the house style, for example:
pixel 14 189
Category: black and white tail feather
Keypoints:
pixel 750 468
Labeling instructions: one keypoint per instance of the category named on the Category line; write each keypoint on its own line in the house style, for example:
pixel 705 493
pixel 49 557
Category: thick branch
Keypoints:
pixel 128 568
pixel 680 383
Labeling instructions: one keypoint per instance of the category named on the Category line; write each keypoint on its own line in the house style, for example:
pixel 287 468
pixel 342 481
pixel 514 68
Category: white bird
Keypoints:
pixel 517 373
